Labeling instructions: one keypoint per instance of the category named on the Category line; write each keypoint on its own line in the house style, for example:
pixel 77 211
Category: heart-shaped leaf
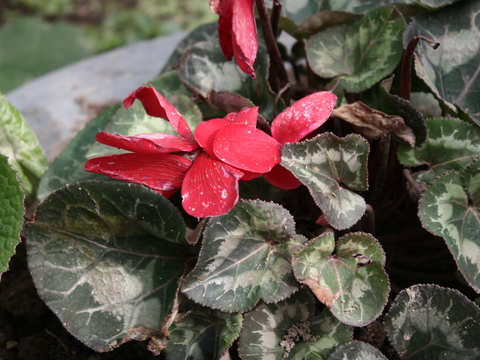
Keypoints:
pixel 360 53
pixel 201 33
pixel 245 257
pixel 451 144
pixel 357 350
pixel 205 69
pixel 69 166
pixel 300 13
pixel 107 257
pixel 327 164
pixel 203 334
pixel 348 278
pixel 134 121
pixel 451 71
pixel 450 210
pixel 288 330
pixel 11 209
pixel 431 322
pixel 19 143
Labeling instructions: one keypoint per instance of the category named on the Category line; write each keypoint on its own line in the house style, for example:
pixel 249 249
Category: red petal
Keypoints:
pixel 224 10
pixel 244 30
pixel 210 187
pixel 156 105
pixel 321 220
pixel 248 175
pixel 230 117
pixel 206 131
pixel 303 117
pixel 282 178
pixel 247 116
pixel 247 148
pixel 147 143
pixel 163 173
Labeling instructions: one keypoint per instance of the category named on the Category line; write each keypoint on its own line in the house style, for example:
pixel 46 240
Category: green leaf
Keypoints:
pixel 431 322
pixel 348 278
pixel 135 120
pixel 30 47
pixel 203 334
pixel 245 257
pixel 202 33
pixel 449 210
pixel 69 166
pixel 323 20
pixel 107 257
pixel 288 330
pixel 299 12
pixel 11 212
pixel 357 350
pixel 205 68
pixel 451 144
pixel 20 144
pixel 327 164
pixel 452 70
pixel 359 53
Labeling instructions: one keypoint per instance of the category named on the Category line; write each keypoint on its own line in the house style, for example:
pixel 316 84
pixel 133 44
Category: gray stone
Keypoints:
pixel 58 104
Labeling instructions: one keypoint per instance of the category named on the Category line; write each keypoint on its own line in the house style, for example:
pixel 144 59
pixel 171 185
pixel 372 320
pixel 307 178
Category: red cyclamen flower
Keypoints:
pixel 292 125
pixel 237 31
pixel 196 163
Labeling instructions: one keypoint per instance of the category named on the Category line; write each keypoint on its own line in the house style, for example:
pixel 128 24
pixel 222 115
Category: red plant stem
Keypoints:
pixel 275 18
pixel 406 71
pixel 276 61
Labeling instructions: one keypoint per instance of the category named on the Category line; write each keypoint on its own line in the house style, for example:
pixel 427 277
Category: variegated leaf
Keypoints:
pixel 431 322
pixel 451 71
pixel 107 257
pixel 357 350
pixel 288 330
pixel 203 334
pixel 450 210
pixel 451 145
pixel 11 210
pixel 348 278
pixel 328 165
pixel 361 53
pixel 20 144
pixel 245 257
pixel 205 68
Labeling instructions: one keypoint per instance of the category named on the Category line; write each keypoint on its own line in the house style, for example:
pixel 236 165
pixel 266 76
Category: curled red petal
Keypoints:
pixel 303 117
pixel 248 175
pixel 206 131
pixel 155 143
pixel 247 116
pixel 247 148
pixel 230 117
pixel 156 105
pixel 225 11
pixel 163 172
pixel 282 178
pixel 244 30
pixel 210 187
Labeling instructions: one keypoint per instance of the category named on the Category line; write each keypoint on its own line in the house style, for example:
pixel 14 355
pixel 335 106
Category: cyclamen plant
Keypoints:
pixel 260 213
